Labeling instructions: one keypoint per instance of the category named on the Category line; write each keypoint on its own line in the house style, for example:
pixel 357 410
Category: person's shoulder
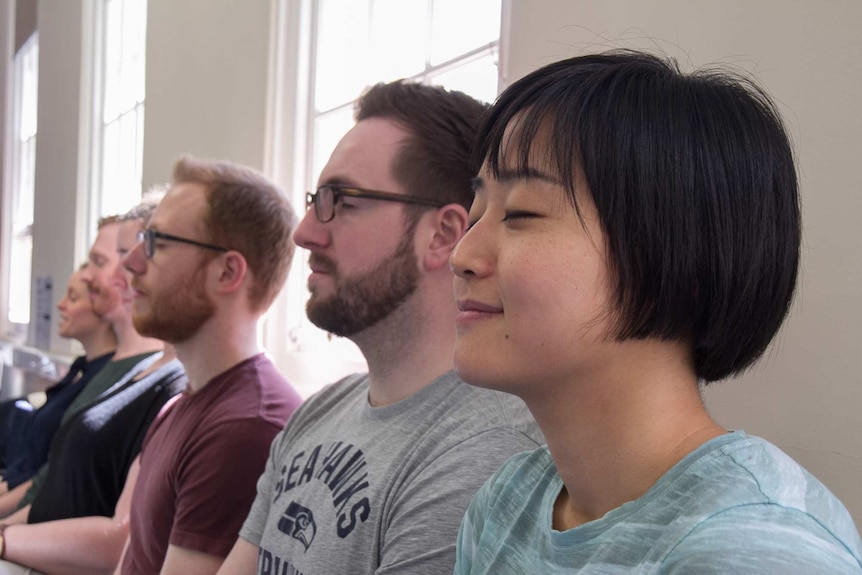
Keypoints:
pixel 768 538
pixel 477 410
pixel 527 467
pixel 737 489
pixel 346 393
pixel 525 476
pixel 256 384
pixel 785 484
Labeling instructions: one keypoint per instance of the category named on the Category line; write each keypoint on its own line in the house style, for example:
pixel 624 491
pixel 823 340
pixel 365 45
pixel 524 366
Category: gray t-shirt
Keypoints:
pixel 353 489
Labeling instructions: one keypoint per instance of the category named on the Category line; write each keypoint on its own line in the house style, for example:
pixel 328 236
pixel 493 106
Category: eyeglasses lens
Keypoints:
pixel 325 204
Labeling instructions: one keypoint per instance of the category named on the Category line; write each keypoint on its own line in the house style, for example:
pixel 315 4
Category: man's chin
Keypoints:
pixel 107 311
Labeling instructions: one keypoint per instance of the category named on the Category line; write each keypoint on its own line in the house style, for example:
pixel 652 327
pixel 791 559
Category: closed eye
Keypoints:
pixel 518 215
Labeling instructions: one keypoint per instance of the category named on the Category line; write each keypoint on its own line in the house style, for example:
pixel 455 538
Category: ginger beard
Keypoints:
pixel 362 301
pixel 175 313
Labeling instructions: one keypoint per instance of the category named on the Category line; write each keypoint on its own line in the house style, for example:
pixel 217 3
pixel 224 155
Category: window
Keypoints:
pixel 20 194
pixel 353 44
pixel 118 152
pixel 453 43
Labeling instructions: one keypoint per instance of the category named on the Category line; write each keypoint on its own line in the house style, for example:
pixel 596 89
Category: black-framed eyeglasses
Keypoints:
pixel 326 198
pixel 148 238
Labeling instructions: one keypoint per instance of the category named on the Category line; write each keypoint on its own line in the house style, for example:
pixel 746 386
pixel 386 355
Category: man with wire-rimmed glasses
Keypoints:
pixel 373 474
pixel 207 267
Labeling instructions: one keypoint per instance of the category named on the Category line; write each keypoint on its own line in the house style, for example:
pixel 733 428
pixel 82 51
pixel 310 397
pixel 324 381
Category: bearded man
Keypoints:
pixel 209 264
pixel 373 474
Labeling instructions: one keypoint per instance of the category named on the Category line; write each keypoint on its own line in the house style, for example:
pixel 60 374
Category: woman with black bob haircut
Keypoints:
pixel 635 235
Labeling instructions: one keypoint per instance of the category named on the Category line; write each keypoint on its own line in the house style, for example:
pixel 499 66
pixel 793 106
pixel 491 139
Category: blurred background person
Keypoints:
pixel 30 428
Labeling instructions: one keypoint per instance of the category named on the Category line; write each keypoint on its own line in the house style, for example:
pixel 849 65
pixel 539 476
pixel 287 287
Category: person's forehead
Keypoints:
pixel 130 228
pixel 181 209
pixel 106 239
pixel 366 155
pixel 76 285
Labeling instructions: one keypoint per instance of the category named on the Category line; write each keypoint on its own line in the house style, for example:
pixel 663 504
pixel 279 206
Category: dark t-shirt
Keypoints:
pixel 114 375
pixel 200 463
pixel 94 450
pixel 31 430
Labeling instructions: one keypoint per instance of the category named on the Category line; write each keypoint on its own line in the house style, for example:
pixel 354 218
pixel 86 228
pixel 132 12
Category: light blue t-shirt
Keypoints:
pixel 737 504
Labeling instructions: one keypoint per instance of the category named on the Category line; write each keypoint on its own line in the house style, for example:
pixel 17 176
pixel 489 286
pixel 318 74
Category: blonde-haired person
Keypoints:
pixel 31 429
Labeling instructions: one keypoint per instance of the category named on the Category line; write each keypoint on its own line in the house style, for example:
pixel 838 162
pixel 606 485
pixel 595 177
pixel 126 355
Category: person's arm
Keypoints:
pixel 20 516
pixel 242 559
pixel 73 546
pixel 243 447
pixel 9 501
pixel 119 569
pixel 182 561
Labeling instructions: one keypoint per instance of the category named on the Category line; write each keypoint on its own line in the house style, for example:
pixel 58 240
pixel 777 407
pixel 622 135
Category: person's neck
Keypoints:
pixel 613 434
pixel 131 343
pixel 219 345
pixel 168 355
pixel 99 344
pixel 407 351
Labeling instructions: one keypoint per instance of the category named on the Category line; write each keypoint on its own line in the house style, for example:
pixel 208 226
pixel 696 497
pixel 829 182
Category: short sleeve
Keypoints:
pixel 255 523
pixel 228 460
pixel 763 539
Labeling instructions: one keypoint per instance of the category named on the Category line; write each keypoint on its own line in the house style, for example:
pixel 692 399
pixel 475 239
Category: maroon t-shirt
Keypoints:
pixel 200 463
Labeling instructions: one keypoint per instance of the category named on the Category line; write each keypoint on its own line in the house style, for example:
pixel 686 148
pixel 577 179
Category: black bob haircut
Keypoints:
pixel 694 181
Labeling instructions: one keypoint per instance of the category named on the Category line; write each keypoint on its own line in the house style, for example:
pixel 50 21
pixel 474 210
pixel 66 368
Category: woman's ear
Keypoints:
pixel 449 223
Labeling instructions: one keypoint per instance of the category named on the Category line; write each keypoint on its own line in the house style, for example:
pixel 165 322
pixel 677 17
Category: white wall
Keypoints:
pixel 56 216
pixel 806 395
pixel 207 65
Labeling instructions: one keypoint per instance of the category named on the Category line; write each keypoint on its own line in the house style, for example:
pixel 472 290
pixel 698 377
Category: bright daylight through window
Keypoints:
pixel 23 164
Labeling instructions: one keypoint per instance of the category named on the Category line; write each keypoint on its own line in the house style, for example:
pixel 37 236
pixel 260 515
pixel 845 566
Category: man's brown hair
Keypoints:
pixel 436 161
pixel 249 214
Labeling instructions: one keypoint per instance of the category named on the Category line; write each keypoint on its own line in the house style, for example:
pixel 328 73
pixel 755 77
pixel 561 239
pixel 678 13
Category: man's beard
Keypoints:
pixel 176 313
pixel 361 302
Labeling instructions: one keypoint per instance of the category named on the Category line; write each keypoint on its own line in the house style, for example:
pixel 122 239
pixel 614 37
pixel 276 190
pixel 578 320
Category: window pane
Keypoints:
pixel 121 175
pixel 342 51
pixel 328 130
pixel 398 33
pixel 29 92
pixel 19 277
pixel 112 58
pixel 136 34
pixel 23 154
pixel 460 26
pixel 130 180
pixel 124 90
pixel 110 168
pixel 26 184
pixel 477 78
pixel 131 59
